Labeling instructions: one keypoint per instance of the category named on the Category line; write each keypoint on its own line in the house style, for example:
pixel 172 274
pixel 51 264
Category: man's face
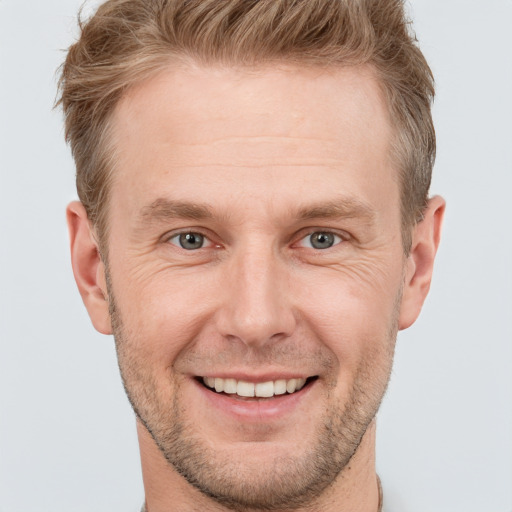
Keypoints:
pixel 254 240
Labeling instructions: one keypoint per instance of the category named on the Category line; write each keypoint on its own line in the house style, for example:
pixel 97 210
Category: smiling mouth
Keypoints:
pixel 245 389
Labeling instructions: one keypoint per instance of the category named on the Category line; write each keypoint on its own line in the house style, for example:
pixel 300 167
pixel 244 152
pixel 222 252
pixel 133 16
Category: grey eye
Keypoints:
pixel 321 240
pixel 189 241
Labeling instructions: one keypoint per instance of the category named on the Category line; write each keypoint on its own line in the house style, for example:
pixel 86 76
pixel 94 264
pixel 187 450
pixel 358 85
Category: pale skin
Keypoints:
pixel 253 164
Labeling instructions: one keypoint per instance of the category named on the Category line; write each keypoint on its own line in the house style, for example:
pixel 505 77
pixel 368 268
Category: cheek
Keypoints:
pixel 353 311
pixel 163 312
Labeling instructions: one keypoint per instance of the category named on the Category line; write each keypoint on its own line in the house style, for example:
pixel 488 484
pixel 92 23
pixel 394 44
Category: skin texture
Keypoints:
pixel 255 162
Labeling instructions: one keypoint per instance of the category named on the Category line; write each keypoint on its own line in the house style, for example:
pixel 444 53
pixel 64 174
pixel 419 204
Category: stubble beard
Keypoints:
pixel 291 482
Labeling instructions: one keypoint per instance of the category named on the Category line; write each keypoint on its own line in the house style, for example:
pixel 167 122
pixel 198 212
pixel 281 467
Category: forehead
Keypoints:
pixel 191 128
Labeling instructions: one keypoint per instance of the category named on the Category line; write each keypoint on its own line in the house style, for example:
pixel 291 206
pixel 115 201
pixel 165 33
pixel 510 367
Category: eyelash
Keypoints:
pixel 337 239
pixel 189 232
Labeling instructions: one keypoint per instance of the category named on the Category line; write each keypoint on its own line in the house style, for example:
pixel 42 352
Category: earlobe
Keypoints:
pixel 420 262
pixel 88 268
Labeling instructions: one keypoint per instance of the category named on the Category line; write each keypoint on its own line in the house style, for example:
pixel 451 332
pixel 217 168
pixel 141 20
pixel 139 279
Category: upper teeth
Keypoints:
pixel 259 389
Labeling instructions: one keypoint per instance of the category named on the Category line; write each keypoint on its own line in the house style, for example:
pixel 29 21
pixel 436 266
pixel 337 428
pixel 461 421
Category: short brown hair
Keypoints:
pixel 128 41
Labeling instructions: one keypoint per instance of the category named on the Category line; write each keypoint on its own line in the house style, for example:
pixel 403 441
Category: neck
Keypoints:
pixel 354 490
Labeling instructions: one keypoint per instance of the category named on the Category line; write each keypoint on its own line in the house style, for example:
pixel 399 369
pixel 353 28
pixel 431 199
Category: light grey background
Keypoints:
pixel 67 435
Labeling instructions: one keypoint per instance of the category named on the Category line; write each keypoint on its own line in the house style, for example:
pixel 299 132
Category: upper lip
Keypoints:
pixel 246 377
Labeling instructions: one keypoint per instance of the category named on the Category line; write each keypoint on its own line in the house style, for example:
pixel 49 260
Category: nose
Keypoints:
pixel 256 304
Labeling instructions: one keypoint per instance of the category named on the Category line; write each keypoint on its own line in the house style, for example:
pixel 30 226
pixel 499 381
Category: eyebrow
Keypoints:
pixel 165 209
pixel 344 207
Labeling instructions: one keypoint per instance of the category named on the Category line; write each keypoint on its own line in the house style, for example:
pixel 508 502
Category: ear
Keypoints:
pixel 420 263
pixel 88 268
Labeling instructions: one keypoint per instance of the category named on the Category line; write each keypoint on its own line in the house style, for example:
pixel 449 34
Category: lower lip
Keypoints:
pixel 257 409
